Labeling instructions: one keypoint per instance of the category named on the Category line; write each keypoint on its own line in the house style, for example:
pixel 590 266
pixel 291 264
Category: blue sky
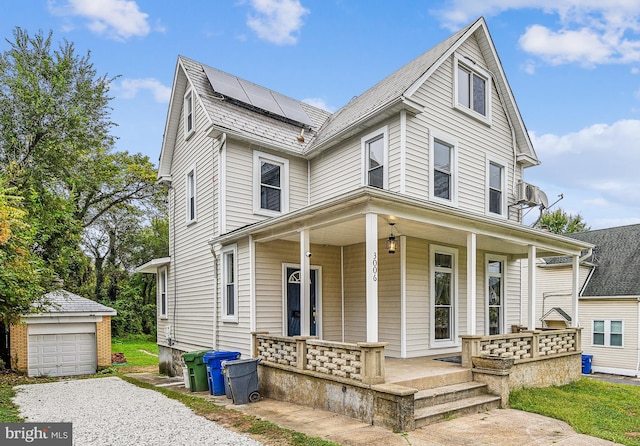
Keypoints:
pixel 573 65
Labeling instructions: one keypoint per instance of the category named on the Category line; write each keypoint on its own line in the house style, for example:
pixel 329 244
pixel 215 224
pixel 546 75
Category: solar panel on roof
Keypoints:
pixel 256 95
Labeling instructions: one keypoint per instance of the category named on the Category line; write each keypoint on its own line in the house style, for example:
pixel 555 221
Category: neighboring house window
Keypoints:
pixel 443 167
pixel 230 284
pixel 495 188
pixel 495 294
pixel 271 184
pixel 191 196
pixel 607 333
pixel 443 295
pixel 189 114
pixel 375 155
pixel 162 291
pixel 472 88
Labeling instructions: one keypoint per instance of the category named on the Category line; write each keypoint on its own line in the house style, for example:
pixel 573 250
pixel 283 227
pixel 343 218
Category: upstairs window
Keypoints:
pixel 495 188
pixel 472 88
pixel 375 155
pixel 607 333
pixel 271 192
pixel 189 115
pixel 191 196
pixel 442 168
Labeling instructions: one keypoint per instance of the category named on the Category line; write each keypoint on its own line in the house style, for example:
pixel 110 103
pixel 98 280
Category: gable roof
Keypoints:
pixel 556 311
pixel 388 96
pixel 617 261
pixel 62 301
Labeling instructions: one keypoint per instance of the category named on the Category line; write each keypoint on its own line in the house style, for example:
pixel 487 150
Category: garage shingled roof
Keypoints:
pixel 62 301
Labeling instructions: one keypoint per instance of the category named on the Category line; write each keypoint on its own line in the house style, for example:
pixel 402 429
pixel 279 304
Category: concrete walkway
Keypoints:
pixel 498 427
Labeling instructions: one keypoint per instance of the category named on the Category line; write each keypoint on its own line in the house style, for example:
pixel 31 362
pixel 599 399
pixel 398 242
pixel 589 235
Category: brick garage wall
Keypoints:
pixel 103 342
pixel 18 348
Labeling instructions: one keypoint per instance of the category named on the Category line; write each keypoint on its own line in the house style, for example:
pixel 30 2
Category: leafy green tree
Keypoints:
pixel 560 222
pixel 22 275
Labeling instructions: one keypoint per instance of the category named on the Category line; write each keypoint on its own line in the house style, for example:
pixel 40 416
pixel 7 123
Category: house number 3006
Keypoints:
pixel 375 266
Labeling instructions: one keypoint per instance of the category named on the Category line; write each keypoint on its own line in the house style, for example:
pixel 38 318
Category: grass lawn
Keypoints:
pixel 140 351
pixel 600 409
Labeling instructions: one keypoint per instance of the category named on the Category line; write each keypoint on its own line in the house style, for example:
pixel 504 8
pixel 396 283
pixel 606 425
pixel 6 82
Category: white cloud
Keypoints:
pixel 319 103
pixel 117 19
pixel 596 170
pixel 277 21
pixel 589 32
pixel 129 88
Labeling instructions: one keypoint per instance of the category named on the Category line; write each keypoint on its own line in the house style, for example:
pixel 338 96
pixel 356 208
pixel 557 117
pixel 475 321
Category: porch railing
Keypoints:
pixel 362 362
pixel 526 345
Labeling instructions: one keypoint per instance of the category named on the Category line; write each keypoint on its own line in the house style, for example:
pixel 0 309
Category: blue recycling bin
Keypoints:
pixel 215 378
pixel 586 364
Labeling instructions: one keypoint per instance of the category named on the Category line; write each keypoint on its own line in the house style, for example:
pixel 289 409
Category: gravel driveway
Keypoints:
pixel 110 411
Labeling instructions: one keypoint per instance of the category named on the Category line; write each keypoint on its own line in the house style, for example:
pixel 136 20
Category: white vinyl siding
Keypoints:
pixel 619 360
pixel 355 315
pixel 192 272
pixel 417 298
pixel 476 142
pixel 241 187
pixel 389 300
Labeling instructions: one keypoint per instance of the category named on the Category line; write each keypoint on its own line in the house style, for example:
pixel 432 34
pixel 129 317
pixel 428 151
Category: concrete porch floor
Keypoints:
pixel 425 372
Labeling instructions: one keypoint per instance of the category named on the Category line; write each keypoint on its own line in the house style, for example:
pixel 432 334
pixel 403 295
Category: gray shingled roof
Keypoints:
pixel 617 261
pixel 66 302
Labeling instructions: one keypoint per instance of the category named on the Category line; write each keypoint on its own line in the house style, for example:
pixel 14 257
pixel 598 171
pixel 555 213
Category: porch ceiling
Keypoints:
pixel 341 222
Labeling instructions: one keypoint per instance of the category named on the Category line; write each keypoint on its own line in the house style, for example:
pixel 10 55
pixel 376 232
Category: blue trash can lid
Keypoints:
pixel 221 355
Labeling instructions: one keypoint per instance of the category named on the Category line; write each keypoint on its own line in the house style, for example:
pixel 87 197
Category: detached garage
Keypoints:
pixel 72 338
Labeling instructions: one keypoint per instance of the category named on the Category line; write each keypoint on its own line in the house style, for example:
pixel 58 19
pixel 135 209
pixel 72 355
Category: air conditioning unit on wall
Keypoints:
pixel 528 194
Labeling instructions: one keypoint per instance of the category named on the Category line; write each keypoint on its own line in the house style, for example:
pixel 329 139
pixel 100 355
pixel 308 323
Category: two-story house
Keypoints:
pixel 396 220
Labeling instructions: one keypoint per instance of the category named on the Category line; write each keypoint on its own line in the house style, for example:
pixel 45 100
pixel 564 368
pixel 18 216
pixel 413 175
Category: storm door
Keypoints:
pixel 293 302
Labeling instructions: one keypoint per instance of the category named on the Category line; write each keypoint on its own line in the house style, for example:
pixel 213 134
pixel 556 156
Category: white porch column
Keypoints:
pixel 305 283
pixel 371 223
pixel 471 284
pixel 574 291
pixel 531 323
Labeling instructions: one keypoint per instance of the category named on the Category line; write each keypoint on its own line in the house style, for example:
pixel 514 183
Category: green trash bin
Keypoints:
pixel 197 370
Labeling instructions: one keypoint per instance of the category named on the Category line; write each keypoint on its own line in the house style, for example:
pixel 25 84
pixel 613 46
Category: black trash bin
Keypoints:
pixel 242 376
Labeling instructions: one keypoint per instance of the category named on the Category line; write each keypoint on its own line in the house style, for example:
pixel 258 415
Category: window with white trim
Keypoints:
pixel 191 196
pixel 472 89
pixel 271 184
pixel 162 292
pixel 230 284
pixel 495 302
pixel 496 184
pixel 443 169
pixel 607 333
pixel 444 295
pixel 189 114
pixel 375 147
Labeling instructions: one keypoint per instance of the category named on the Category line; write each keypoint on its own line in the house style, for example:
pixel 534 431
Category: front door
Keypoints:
pixel 293 302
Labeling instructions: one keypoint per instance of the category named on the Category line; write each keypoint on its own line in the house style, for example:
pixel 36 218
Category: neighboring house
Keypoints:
pixel 609 301
pixel 401 212
pixel 72 336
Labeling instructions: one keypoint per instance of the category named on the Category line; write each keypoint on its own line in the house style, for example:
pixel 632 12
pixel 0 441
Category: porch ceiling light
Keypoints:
pixel 392 243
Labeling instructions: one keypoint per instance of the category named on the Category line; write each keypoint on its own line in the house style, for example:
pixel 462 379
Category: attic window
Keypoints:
pixel 189 115
pixel 472 89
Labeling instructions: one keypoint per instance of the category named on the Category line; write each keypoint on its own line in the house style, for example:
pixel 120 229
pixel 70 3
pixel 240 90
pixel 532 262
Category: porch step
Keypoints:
pixel 447 394
pixel 439 379
pixel 445 411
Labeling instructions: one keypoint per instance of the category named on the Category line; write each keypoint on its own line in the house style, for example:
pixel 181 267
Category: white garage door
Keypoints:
pixel 62 349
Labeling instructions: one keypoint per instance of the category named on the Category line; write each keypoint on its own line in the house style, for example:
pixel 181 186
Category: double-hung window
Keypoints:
pixel 607 333
pixel 271 191
pixel 189 114
pixel 472 89
pixel 375 156
pixel 191 196
pixel 230 284
pixel 443 169
pixel 162 292
pixel 496 184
